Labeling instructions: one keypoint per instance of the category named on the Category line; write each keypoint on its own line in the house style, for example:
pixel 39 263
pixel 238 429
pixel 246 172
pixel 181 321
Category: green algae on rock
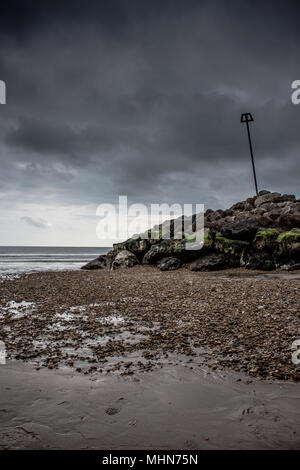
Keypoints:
pixel 289 244
pixel 267 239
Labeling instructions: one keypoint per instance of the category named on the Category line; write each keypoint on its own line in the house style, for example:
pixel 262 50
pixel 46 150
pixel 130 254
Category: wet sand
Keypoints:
pixel 171 408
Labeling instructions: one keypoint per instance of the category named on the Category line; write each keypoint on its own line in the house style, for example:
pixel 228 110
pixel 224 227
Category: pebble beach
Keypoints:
pixel 136 320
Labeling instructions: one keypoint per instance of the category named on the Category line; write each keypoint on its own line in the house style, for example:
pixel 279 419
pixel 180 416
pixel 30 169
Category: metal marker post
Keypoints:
pixel 247 117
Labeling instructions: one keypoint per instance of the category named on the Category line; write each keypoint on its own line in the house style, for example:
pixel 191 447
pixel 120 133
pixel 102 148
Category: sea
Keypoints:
pixel 16 260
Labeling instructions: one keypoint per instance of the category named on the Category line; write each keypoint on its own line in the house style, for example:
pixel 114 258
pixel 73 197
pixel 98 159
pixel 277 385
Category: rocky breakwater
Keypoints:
pixel 262 232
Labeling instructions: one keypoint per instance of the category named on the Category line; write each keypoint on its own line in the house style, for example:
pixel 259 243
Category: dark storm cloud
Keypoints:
pixel 144 98
pixel 59 140
pixel 112 15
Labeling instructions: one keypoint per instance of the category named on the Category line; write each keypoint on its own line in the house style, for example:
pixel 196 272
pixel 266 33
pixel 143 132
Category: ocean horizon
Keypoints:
pixel 28 259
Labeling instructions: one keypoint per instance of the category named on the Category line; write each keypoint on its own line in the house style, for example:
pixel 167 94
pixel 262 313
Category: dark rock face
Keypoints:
pixel 266 210
pixel 290 219
pixel 169 264
pixel 267 198
pixel 211 262
pixel 163 249
pixel 98 263
pixel 138 246
pixel 262 261
pixel 240 231
pixel 110 258
pixel 262 232
pixel 124 259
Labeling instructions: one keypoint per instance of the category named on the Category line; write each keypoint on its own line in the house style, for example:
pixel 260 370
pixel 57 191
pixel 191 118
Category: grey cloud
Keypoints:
pixel 57 141
pixel 36 222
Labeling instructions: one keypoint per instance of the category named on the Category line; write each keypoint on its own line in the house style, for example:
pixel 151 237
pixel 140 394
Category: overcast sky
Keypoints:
pixel 141 98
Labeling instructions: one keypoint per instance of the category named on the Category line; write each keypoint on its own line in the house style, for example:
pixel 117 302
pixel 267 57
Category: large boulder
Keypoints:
pixel 267 198
pixel 211 262
pixel 124 259
pixel 267 240
pixel 230 247
pixel 244 231
pixel 169 264
pixel 282 246
pixel 98 263
pixel 163 249
pixel 110 256
pixel 232 250
pixel 261 261
pixel 290 219
pixel 238 206
pixel 137 245
pixel 186 249
pixel 289 245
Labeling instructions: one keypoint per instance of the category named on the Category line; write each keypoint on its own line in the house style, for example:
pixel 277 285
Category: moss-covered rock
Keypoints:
pixel 162 249
pixel 293 236
pixel 230 247
pixel 138 246
pixel 267 239
pixel 208 239
pixel 289 244
pixel 186 237
pixel 193 242
pixel 233 250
